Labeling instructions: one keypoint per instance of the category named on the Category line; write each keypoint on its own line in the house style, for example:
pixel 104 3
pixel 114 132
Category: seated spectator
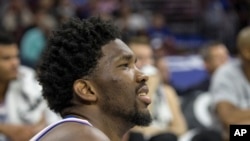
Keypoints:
pixel 168 121
pixel 196 103
pixel 230 88
pixel 22 109
pixel 214 54
pixel 34 39
pixel 16 17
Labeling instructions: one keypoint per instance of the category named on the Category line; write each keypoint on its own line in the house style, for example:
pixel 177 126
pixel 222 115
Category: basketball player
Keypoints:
pixel 89 77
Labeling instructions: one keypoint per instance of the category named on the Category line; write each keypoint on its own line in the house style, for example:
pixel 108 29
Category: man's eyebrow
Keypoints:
pixel 127 57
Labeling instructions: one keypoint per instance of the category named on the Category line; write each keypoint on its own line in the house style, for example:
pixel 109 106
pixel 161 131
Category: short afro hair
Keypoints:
pixel 6 38
pixel 73 52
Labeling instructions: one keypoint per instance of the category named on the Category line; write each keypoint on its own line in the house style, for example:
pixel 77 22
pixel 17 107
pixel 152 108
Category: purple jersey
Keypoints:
pixel 42 133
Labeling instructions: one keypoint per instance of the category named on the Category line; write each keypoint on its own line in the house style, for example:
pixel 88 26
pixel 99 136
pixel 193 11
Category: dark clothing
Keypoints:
pixel 161 137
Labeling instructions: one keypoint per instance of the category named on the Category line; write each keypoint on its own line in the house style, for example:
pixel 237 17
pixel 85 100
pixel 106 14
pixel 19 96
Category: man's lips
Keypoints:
pixel 143 89
pixel 142 94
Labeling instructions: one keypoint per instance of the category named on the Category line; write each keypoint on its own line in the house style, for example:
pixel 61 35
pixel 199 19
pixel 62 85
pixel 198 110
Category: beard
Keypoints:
pixel 139 117
pixel 134 116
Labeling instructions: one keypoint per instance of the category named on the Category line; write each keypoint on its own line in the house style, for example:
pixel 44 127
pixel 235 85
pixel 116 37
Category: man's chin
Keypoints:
pixel 142 118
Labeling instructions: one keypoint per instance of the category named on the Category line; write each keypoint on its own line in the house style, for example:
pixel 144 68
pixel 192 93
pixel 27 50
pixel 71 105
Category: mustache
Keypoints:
pixel 140 86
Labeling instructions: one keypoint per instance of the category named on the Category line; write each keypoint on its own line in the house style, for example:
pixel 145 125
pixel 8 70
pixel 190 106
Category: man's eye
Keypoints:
pixel 125 65
pixel 6 58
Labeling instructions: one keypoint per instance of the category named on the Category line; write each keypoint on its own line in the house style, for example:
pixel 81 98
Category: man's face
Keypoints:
pixel 143 53
pixel 121 86
pixel 245 53
pixel 163 69
pixel 9 62
pixel 218 56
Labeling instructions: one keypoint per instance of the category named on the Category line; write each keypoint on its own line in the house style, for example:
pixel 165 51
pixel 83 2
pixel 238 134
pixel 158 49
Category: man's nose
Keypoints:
pixel 15 61
pixel 141 77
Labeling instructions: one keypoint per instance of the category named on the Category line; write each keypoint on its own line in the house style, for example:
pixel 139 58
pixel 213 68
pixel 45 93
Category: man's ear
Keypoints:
pixel 84 90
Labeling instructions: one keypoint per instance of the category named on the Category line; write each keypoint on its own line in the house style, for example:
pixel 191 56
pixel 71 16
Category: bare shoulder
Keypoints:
pixel 72 131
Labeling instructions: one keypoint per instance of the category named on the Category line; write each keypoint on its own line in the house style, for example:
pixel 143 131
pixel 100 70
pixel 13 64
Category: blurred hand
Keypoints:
pixel 19 132
pixel 23 132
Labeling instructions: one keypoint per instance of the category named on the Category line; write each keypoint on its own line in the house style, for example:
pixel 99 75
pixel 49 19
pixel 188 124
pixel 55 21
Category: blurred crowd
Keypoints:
pixel 163 34
pixel 173 26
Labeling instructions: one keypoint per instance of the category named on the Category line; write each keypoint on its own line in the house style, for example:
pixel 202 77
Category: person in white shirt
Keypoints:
pixel 23 112
pixel 231 88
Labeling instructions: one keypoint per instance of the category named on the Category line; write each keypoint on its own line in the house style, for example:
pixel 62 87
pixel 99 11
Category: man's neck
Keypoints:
pixel 3 89
pixel 115 124
pixel 114 128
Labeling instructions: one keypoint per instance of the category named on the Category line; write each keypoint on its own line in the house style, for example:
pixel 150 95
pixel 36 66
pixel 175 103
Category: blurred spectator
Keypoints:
pixel 34 39
pixel 16 17
pixel 131 21
pixel 168 121
pixel 46 5
pixel 192 22
pixel 158 28
pixel 23 112
pixel 83 8
pixel 196 103
pixel 160 35
pixel 65 10
pixel 214 55
pixel 219 21
pixel 106 6
pixel 231 88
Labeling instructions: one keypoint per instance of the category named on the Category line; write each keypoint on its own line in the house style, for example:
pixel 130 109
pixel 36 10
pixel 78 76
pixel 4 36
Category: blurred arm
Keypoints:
pixel 22 132
pixel 231 114
pixel 178 124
